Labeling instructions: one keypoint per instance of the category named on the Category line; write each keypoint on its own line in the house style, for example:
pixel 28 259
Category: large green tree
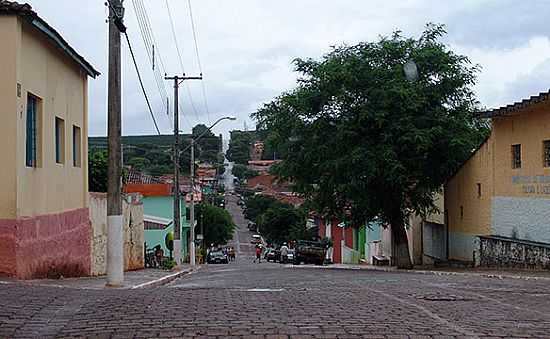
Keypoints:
pixel 256 205
pixel 239 146
pixel 217 223
pixel 281 223
pixel 363 140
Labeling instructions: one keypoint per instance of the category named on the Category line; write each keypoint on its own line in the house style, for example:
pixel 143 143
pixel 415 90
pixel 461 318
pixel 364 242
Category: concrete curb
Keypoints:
pixel 164 280
pixel 425 272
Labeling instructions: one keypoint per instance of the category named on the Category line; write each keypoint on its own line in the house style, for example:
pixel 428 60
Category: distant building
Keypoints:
pixel 262 166
pixel 44 219
pixel 257 151
pixel 504 188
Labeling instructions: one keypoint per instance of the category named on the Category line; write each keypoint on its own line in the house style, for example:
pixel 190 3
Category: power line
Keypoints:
pixel 174 36
pixel 198 58
pixel 153 52
pixel 141 82
pixel 180 58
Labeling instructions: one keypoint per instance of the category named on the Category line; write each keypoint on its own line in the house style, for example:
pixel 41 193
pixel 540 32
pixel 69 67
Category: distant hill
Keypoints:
pixel 160 140
pixel 152 154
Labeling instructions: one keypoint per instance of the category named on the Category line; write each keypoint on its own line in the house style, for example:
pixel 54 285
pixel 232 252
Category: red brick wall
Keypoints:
pixel 50 245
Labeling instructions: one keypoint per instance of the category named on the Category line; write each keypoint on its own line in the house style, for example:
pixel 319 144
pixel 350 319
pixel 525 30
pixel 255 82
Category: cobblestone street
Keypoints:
pixel 247 300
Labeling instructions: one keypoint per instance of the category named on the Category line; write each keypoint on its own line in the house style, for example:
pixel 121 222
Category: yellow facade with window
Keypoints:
pixel 504 188
pixel 44 124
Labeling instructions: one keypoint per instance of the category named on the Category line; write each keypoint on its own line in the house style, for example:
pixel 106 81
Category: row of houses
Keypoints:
pixel 494 211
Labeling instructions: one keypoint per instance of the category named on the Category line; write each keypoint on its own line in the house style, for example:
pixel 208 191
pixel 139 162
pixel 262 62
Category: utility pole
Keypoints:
pixel 177 200
pixel 115 243
pixel 192 260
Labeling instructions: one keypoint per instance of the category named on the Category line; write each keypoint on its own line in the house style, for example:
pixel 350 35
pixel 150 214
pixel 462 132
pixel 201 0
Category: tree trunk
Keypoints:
pixel 400 249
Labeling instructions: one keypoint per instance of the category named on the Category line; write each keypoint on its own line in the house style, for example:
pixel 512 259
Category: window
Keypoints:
pixel 31 131
pixel 59 140
pixel 546 152
pixel 479 190
pixel 516 156
pixel 461 212
pixel 77 162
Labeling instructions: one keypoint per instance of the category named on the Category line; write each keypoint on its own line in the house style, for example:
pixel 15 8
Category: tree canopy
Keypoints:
pixel 243 172
pixel 217 222
pixel 97 171
pixel 361 140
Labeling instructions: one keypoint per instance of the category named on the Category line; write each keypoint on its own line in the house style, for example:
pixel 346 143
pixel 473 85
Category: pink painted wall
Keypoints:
pixel 7 247
pixel 45 246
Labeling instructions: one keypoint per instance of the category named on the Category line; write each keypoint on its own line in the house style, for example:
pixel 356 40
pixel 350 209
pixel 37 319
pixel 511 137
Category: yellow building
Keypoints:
pixel 44 221
pixel 504 188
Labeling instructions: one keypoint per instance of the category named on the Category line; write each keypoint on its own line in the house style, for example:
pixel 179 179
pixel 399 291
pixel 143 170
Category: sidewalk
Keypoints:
pixel 145 278
pixel 478 272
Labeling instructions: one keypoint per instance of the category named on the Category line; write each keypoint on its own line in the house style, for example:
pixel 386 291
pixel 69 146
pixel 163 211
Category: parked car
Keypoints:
pixel 310 252
pixel 252 226
pixel 290 256
pixel 272 255
pixel 256 239
pixel 217 257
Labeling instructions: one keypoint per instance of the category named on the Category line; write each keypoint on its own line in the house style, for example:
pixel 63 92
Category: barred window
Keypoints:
pixel 546 154
pixel 77 149
pixel 59 140
pixel 516 156
pixel 31 129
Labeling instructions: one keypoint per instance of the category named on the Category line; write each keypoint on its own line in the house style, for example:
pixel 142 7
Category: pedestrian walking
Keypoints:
pixel 258 254
pixel 284 253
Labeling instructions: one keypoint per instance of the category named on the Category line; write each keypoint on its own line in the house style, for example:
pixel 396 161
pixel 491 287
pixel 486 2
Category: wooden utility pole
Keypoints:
pixel 177 200
pixel 192 260
pixel 115 251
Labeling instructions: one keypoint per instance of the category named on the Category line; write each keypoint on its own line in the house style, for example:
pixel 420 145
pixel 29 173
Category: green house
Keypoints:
pixel 158 216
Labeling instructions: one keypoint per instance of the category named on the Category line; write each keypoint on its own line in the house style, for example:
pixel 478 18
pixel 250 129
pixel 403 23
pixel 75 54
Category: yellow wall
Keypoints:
pixel 462 191
pixel 47 73
pixel 492 167
pixel 8 113
pixel 529 129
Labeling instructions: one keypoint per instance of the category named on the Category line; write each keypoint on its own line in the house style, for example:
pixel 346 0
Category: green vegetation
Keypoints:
pixel 97 171
pixel 243 172
pixel 278 222
pixel 361 139
pixel 152 154
pixel 239 146
pixel 217 222
pixel 241 143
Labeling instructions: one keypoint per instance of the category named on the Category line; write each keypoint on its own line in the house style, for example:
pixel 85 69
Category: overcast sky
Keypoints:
pixel 246 48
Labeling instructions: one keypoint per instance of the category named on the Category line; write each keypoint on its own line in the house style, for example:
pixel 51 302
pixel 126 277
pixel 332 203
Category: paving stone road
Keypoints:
pixel 246 300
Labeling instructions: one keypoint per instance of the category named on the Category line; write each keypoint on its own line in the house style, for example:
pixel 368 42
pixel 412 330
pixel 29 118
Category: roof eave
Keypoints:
pixel 53 35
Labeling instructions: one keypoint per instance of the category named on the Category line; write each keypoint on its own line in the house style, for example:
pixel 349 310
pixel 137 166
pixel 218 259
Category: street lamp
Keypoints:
pixel 192 260
pixel 411 70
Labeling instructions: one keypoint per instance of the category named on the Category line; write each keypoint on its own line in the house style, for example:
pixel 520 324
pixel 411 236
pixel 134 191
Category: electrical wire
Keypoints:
pixel 141 82
pixel 203 83
pixel 149 41
pixel 180 58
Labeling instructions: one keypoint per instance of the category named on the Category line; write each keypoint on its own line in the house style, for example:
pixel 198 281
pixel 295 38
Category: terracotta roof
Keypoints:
pixel 515 107
pixel 26 12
